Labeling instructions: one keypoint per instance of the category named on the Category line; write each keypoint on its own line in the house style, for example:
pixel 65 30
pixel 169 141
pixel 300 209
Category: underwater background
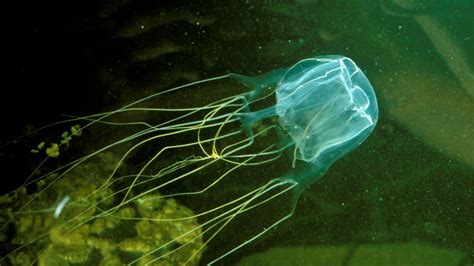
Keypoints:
pixel 404 197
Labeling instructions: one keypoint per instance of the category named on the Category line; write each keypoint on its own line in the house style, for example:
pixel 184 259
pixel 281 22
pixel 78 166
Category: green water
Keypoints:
pixel 407 191
pixel 413 179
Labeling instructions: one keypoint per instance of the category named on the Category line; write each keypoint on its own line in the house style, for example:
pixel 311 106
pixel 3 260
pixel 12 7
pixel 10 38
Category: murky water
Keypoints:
pixel 411 181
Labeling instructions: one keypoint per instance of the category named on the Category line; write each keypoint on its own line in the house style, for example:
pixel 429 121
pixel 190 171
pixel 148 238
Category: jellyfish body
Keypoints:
pixel 327 106
pixel 321 109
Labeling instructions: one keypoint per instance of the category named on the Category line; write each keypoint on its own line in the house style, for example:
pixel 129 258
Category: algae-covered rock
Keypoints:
pixel 91 228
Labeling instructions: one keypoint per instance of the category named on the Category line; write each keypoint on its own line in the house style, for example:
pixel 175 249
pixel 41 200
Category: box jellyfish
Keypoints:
pixel 166 185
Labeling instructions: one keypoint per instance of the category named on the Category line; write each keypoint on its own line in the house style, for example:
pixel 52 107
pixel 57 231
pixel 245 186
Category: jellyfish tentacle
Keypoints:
pixel 272 184
pixel 107 114
pixel 229 215
pixel 210 115
pixel 110 211
pixel 158 94
pixel 199 141
pixel 218 219
pixel 241 145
